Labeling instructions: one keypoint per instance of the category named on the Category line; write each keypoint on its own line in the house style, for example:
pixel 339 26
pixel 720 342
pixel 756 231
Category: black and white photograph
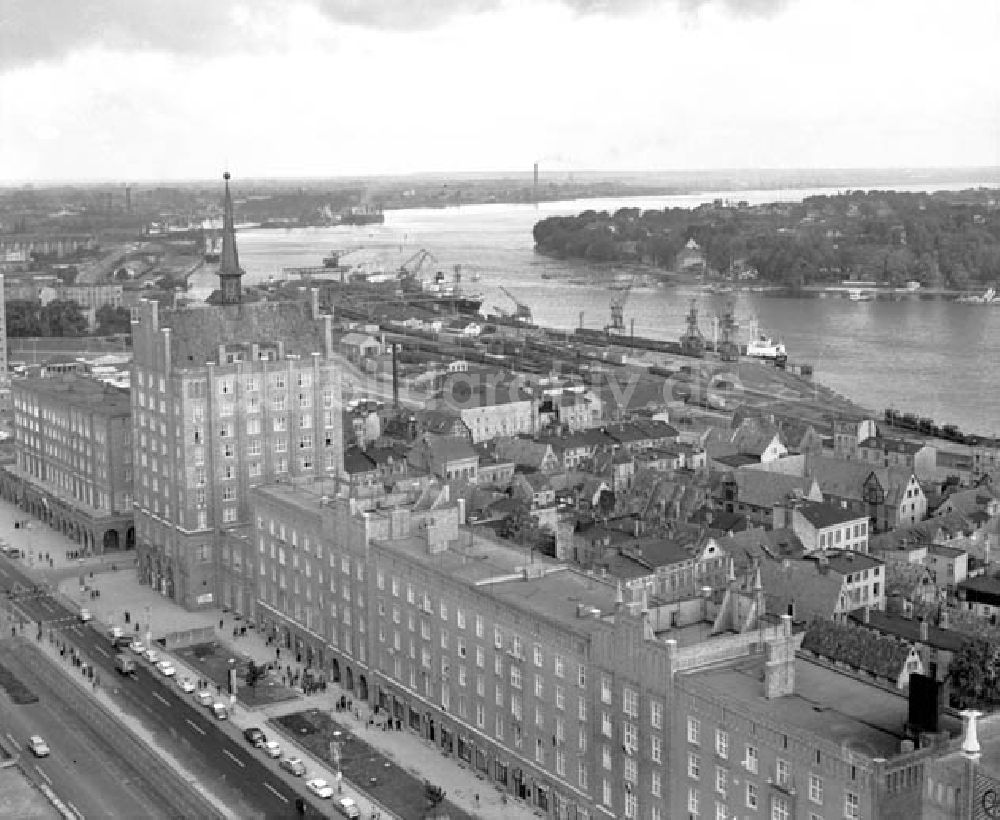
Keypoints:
pixel 503 409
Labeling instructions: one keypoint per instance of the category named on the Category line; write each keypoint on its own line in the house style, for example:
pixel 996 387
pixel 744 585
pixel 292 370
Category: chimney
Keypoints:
pixel 924 630
pixel 944 619
pixel 779 667
pixel 395 378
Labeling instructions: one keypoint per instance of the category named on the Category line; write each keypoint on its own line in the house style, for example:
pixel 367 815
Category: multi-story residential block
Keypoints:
pixel 225 397
pixel 74 459
pixel 582 698
pixel 821 525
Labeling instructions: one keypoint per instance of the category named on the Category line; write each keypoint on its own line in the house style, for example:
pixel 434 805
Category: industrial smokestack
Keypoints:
pixel 395 377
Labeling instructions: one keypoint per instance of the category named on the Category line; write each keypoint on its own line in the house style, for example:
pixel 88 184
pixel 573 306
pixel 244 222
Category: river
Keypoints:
pixel 932 357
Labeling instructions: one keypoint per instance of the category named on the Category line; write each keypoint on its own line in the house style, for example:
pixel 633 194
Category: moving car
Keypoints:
pixel 255 737
pixel 205 698
pixel 85 615
pixel 320 788
pixel 272 749
pixel 137 646
pixel 123 642
pixel 152 655
pixel 220 710
pixel 293 765
pixel 166 668
pixel 124 664
pixel 347 807
pixel 39 748
pixel 186 685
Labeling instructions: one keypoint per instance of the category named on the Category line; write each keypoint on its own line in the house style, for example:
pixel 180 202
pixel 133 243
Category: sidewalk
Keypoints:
pixel 121 593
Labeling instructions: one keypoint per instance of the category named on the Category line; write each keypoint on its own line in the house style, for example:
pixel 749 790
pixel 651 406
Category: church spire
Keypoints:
pixel 230 271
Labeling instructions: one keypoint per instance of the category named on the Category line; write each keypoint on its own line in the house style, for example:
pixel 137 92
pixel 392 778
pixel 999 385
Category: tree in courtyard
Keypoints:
pixel 254 674
pixel 975 673
pixel 112 319
pixel 61 317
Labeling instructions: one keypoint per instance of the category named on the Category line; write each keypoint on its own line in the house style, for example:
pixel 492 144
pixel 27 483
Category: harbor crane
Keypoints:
pixel 618 300
pixel 411 267
pixel 523 312
pixel 692 342
pixel 728 348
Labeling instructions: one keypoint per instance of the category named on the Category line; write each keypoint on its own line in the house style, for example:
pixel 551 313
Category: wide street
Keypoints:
pixel 224 763
pixel 94 769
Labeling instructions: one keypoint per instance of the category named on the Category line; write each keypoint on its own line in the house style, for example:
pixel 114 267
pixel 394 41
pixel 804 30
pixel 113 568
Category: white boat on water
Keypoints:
pixel 860 295
pixel 764 348
pixel 987 298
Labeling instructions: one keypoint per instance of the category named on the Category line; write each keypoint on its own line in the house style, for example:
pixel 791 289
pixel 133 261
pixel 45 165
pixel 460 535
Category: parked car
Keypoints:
pixel 320 788
pixel 254 736
pixel 347 807
pixel 205 698
pixel 186 685
pixel 137 646
pixel 272 749
pixel 152 655
pixel 114 634
pixel 166 668
pixel 220 710
pixel 39 748
pixel 85 615
pixel 123 642
pixel 293 765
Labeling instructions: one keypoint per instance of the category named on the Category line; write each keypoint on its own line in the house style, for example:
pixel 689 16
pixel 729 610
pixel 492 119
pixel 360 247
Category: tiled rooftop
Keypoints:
pixel 80 391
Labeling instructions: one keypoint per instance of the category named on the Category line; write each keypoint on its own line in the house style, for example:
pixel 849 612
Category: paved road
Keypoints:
pixel 253 785
pixel 93 775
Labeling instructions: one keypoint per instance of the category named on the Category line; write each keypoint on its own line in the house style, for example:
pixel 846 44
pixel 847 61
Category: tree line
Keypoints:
pixel 945 239
pixel 62 317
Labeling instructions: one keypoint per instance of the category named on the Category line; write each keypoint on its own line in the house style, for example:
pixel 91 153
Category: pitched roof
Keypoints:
pixel 909 629
pixel 450 448
pixel 761 488
pixel 814 592
pixel 822 514
pixel 751 545
pixel 857 647
pixel 357 461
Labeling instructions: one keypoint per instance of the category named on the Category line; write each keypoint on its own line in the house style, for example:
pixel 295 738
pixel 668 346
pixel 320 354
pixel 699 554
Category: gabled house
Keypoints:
pixel 823 526
pixel 848 434
pixel 891 451
pixel 448 457
pixel 935 643
pixel 885 658
pixel 756 493
pixel 527 454
pixel 578 449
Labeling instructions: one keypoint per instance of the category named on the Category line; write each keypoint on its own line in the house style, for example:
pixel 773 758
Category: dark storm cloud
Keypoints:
pixel 33 31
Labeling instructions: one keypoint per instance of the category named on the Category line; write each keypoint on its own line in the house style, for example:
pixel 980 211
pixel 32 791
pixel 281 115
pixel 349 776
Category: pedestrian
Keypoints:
pixel 277 652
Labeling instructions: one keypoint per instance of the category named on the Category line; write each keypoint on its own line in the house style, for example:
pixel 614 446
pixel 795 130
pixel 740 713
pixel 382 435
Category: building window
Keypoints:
pixel 721 779
pixel 852 806
pixel 630 702
pixel 779 808
pixel 694 766
pixel 693 801
pixel 751 795
pixel 694 730
pixel 751 761
pixel 722 744
pixel 781 772
pixel 816 788
pixel 656 749
pixel 656 714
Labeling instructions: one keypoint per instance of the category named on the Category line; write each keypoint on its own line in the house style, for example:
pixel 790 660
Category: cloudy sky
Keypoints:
pixel 177 89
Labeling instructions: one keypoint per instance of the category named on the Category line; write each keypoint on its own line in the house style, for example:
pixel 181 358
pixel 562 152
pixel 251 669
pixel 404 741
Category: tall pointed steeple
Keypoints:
pixel 230 271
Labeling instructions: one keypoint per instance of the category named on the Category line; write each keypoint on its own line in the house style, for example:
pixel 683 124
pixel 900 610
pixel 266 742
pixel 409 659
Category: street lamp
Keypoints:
pixel 149 628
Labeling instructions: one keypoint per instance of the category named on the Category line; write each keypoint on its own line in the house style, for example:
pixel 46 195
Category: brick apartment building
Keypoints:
pixel 225 397
pixel 73 459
